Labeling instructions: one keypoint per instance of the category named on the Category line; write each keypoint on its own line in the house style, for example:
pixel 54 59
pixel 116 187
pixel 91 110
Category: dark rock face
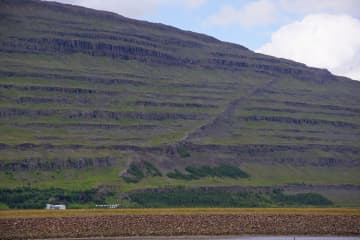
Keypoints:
pixel 10 113
pixel 51 89
pixel 173 104
pixel 55 164
pixel 300 121
pixel 267 189
pixel 100 49
pixel 97 114
pixel 35 100
pixel 88 79
pixel 135 115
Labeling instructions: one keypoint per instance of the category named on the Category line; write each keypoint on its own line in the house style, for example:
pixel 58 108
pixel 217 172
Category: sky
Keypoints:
pixel 319 33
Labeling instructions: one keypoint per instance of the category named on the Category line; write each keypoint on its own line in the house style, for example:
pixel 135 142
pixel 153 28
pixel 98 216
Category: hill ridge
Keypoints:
pixel 94 100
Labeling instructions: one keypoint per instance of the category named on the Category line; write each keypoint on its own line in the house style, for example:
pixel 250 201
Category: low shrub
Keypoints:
pixel 183 152
pixel 183 197
pixel 138 171
pixel 222 170
pixel 32 198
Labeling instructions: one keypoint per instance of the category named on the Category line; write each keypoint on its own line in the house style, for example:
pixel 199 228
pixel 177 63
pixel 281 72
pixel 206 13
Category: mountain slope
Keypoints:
pixel 91 99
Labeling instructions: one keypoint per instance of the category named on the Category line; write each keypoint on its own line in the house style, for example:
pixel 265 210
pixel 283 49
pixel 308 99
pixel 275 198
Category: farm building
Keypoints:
pixel 55 207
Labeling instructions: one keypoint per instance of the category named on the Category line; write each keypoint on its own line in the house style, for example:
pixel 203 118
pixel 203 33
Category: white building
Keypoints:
pixel 55 207
pixel 107 205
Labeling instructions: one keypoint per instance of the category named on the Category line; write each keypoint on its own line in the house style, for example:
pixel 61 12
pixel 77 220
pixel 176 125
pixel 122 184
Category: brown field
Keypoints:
pixel 37 224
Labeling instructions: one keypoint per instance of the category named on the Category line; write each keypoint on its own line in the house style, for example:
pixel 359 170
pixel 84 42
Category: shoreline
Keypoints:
pixel 158 225
pixel 243 237
pixel 203 237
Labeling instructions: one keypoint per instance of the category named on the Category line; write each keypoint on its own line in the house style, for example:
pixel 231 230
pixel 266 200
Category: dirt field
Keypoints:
pixel 175 224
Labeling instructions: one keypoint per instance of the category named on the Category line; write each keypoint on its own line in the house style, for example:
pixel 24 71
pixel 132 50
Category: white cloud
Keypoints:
pixel 193 3
pixel 350 7
pixel 260 12
pixel 320 40
pixel 133 8
pixel 266 12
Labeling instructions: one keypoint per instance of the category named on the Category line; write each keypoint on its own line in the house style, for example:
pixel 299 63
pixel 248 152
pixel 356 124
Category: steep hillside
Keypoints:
pixel 91 99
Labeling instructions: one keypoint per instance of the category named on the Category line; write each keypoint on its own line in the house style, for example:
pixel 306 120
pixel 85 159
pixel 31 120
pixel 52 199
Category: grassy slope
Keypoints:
pixel 262 94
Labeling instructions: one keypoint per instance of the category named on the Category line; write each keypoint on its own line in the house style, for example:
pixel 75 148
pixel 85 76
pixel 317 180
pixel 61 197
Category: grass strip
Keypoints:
pixel 176 211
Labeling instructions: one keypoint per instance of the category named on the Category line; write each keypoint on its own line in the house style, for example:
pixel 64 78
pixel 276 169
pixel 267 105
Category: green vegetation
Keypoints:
pixel 179 175
pixel 301 199
pixel 182 151
pixel 31 198
pixel 182 197
pixel 151 170
pixel 222 170
pixel 138 171
pixel 3 206
pixel 136 174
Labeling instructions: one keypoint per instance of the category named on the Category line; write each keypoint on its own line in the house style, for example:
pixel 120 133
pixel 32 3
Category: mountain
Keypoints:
pixel 91 100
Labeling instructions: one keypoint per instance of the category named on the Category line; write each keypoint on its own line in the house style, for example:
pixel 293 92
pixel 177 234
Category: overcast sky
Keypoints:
pixel 319 33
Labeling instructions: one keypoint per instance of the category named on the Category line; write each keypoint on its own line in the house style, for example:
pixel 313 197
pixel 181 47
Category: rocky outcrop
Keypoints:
pixel 81 78
pixel 300 121
pixel 173 104
pixel 159 116
pixel 263 148
pixel 66 46
pixel 295 110
pixel 98 114
pixel 17 112
pixel 298 71
pixel 307 105
pixel 165 156
pixel 57 89
pixel 39 100
pixel 267 189
pixel 32 164
pixel 87 125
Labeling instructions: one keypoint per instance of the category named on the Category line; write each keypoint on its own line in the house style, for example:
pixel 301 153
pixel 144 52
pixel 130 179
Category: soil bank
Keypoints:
pixel 179 224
